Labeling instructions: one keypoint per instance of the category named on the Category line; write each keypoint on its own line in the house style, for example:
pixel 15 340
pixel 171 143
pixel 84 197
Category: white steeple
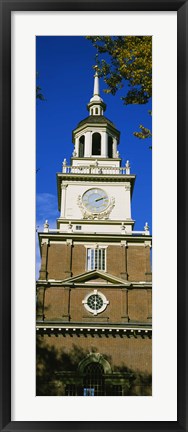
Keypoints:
pixel 96 106
pixel 96 84
pixel 96 92
pixel 96 137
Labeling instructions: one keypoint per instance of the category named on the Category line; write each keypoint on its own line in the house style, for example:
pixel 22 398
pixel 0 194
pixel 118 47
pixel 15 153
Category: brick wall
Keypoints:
pixel 56 266
pixel 114 260
pixel 65 260
pixel 65 304
pixel 132 353
pixel 136 263
pixel 138 305
pixel 78 259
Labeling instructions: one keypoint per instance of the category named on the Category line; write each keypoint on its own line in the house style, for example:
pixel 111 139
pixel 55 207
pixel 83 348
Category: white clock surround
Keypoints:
pixel 88 209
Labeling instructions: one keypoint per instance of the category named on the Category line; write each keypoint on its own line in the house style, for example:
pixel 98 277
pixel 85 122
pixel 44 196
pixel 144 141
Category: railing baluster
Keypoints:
pixel 88 169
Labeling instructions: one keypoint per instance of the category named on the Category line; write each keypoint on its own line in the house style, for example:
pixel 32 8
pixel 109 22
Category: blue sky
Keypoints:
pixel 64 65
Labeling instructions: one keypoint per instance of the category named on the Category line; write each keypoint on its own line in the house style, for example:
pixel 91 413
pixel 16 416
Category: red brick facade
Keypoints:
pixel 68 333
pixel 64 260
pixel 129 359
pixel 65 304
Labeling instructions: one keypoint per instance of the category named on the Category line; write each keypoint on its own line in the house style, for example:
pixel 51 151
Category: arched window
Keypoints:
pixel 96 144
pixel 96 111
pixel 81 146
pixel 92 111
pixel 94 380
pixel 110 142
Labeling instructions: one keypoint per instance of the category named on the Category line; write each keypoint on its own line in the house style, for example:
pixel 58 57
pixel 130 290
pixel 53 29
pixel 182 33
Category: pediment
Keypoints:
pixel 98 279
pixel 95 276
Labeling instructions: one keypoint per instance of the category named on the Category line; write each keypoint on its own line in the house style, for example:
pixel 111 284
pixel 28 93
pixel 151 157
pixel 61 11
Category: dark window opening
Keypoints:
pixel 117 390
pixel 81 146
pixel 70 390
pixel 110 142
pixel 96 144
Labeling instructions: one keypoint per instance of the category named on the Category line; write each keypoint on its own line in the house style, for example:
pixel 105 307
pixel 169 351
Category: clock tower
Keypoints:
pixel 94 287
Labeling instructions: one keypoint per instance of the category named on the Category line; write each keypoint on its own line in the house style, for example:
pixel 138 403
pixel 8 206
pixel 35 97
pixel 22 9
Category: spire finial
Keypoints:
pixel 96 106
pixel 96 91
pixel 96 61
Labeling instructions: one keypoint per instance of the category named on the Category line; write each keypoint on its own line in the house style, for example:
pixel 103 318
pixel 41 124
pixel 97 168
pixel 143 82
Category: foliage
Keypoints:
pixel 56 366
pixel 144 132
pixel 39 95
pixel 130 60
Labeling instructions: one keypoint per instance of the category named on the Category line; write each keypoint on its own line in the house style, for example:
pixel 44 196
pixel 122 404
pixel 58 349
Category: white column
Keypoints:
pixel 104 144
pixel 128 200
pixel 87 152
pixel 77 146
pixel 114 148
pixel 63 200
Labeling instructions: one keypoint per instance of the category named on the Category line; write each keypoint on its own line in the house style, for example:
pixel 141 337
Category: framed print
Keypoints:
pixel 92 335
pixel 92 331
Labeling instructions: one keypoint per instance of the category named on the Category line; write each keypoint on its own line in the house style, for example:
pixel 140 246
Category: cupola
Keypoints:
pixel 95 137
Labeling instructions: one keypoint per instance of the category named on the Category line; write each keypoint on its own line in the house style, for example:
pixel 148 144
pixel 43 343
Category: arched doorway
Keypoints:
pixel 94 377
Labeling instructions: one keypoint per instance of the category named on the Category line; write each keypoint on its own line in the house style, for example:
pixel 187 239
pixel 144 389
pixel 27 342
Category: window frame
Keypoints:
pixel 103 259
pixel 95 311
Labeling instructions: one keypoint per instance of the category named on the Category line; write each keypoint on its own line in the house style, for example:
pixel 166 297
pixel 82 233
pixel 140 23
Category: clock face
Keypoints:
pixel 95 200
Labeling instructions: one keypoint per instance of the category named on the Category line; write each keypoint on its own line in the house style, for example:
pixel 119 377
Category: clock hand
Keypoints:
pixel 99 199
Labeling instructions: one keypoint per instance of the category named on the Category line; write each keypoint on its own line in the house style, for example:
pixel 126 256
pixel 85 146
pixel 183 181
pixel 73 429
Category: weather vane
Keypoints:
pixel 96 66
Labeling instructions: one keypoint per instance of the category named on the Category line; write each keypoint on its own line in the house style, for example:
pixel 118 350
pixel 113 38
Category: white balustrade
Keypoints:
pixel 86 169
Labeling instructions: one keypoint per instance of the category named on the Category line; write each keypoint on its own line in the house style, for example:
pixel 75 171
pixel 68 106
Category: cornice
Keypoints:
pixel 88 124
pixel 97 222
pixel 62 283
pixel 93 158
pixel 74 177
pixel 94 237
pixel 97 177
pixel 114 330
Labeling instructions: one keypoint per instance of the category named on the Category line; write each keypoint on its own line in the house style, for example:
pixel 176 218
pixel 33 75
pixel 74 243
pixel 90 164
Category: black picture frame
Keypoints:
pixel 6 7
